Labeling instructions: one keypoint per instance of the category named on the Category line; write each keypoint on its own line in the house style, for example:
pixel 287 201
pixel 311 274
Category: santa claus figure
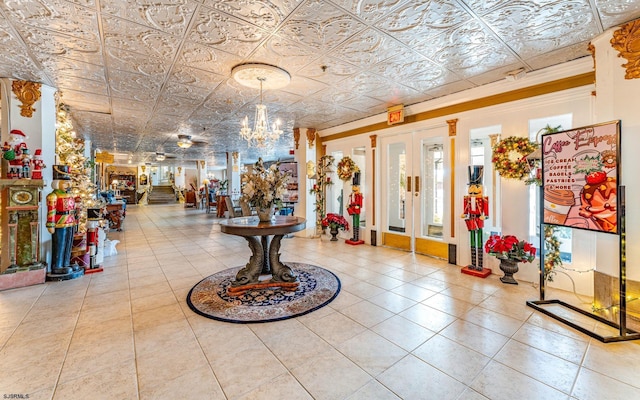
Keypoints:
pixel 13 152
pixel 38 165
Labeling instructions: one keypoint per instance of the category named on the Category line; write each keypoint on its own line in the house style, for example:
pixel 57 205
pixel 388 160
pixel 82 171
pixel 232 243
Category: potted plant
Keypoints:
pixel 510 251
pixel 335 222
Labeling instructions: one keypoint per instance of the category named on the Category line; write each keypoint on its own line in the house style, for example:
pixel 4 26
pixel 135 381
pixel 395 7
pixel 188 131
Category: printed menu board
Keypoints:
pixel 580 173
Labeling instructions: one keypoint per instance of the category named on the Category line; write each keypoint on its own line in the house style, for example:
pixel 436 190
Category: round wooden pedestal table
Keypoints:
pixel 264 241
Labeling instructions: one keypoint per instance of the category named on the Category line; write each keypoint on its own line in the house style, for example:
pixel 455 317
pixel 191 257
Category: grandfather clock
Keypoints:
pixel 20 233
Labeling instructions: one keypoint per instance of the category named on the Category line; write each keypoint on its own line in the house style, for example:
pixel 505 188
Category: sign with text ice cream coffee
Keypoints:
pixel 580 175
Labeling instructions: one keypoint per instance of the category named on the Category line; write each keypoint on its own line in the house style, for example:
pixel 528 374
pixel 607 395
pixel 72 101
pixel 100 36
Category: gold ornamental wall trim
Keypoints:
pixel 27 93
pixel 296 137
pixel 627 41
pixel 519 94
pixel 311 136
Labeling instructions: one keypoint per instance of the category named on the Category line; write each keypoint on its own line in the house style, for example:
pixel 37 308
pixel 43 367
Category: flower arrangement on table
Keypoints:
pixel 335 221
pixel 509 157
pixel 346 167
pixel 264 187
pixel 510 248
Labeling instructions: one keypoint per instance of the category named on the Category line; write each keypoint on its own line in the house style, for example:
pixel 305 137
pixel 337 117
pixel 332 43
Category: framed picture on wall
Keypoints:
pixel 580 177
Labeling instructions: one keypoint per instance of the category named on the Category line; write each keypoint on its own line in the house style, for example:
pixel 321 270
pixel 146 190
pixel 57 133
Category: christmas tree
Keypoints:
pixel 70 151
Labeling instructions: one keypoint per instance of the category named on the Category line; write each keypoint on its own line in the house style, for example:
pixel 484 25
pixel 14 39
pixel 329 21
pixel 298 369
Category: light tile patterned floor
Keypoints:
pixel 404 326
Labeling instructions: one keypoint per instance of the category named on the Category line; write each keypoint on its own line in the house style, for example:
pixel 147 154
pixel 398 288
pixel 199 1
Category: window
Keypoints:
pixel 565 235
pixel 433 195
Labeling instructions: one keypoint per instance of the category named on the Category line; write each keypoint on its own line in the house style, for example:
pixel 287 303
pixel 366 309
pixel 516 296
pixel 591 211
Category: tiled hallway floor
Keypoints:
pixel 403 326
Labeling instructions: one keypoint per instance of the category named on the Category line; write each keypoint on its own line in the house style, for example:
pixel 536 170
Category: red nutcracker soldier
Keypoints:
pixel 476 210
pixel 93 225
pixel 61 223
pixel 354 209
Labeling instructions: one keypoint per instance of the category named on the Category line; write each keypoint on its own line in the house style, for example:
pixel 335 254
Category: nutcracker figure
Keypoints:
pixel 354 209
pixel 61 223
pixel 476 210
pixel 93 226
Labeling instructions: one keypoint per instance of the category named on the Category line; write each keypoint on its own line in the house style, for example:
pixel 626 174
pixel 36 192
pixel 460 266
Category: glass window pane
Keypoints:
pixel 432 191
pixel 397 180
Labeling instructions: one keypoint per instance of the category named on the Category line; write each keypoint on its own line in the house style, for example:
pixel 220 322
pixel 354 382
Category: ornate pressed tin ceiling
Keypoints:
pixel 137 73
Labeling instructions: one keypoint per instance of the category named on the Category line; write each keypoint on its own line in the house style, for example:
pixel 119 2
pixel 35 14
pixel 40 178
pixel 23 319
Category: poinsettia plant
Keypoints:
pixel 509 247
pixel 335 221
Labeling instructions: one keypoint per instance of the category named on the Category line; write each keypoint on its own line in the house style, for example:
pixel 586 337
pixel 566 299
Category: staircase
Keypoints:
pixel 162 195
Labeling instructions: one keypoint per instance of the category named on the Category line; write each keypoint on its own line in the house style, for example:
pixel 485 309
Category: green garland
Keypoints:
pixel 552 258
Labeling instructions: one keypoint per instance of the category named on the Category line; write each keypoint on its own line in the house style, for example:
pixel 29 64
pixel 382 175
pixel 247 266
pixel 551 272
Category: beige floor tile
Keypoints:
pixel 335 328
pixel 284 387
pixel 494 321
pixel 428 317
pixel 403 332
pixel 364 290
pixel 455 360
pixel 448 304
pixel 197 383
pixel 553 343
pixel 330 376
pixel 616 360
pixel 344 299
pixel 146 303
pixel 157 316
pixel 465 294
pixel 555 372
pixel 475 337
pixel 499 382
pixel 517 310
pixel 366 313
pixel 371 352
pixel 392 302
pixel 373 390
pixel 412 378
pixel 591 385
pixel 413 292
pixel 101 385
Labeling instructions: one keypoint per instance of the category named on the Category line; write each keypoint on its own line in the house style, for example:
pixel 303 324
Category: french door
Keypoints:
pixel 415 176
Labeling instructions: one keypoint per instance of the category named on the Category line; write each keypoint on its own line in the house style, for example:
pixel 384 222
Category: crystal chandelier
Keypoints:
pixel 271 77
pixel 260 135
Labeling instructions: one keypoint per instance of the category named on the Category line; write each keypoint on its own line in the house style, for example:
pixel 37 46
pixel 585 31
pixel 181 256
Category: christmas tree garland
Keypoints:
pixel 509 157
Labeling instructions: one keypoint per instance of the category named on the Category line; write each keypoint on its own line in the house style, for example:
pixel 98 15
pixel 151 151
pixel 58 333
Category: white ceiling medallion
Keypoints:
pixel 262 76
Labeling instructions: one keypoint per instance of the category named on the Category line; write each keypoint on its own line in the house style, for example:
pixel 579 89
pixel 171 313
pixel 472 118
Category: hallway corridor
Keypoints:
pixel 404 326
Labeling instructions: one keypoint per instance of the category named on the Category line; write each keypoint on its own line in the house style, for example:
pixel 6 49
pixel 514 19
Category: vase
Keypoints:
pixel 509 267
pixel 265 214
pixel 334 234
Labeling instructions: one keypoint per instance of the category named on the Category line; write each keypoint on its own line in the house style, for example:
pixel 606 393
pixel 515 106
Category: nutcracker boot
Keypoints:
pixel 480 262
pixel 473 258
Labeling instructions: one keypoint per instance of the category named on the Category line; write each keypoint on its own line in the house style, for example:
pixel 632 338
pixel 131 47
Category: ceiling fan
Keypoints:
pixel 186 141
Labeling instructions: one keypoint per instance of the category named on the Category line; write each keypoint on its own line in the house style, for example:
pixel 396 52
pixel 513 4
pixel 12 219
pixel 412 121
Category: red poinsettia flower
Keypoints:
pixel 509 247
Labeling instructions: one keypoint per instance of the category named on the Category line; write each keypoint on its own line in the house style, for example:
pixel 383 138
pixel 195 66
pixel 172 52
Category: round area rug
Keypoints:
pixel 318 287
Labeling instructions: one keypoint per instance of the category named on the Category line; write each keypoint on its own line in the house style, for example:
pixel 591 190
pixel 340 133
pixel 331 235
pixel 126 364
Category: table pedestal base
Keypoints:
pixel 264 262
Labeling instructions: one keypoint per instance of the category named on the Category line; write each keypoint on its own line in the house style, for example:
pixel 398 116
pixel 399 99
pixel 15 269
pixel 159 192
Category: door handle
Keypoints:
pixel 417 185
pixel 408 184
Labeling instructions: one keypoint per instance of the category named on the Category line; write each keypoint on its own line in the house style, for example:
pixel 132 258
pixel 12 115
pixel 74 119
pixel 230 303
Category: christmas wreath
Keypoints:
pixel 509 157
pixel 346 168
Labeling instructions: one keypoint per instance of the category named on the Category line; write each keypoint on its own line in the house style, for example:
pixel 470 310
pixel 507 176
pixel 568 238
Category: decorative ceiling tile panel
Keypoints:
pixel 320 25
pixel 368 47
pixel 418 20
pixel 225 32
pixel 617 12
pixel 127 61
pixel 170 16
pixel 369 10
pixel 128 36
pixel 64 66
pixel 468 50
pixel 196 77
pixel 207 58
pixel 168 62
pixel 54 15
pixel 530 28
pixel 83 85
pixel 263 13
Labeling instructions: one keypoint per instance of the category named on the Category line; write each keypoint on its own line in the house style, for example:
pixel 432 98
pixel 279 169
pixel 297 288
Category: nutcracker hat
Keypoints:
pixel 475 174
pixel 356 179
pixel 61 172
